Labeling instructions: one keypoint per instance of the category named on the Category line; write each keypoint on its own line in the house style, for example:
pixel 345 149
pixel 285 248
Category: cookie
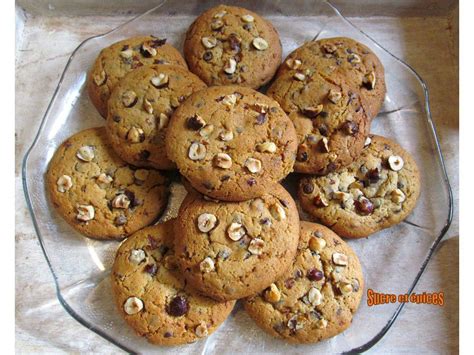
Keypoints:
pixel 317 296
pixel 229 45
pixel 99 194
pixel 153 297
pixel 231 250
pixel 140 108
pixel 115 61
pixel 377 191
pixel 330 122
pixel 343 60
pixel 231 142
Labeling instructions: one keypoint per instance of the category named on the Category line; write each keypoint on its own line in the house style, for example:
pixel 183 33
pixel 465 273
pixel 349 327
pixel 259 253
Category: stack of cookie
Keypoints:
pixel 238 234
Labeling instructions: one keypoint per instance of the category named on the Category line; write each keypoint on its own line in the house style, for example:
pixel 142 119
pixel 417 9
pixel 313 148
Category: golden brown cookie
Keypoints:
pixel 330 123
pixel 140 108
pixel 99 194
pixel 230 45
pixel 317 296
pixel 231 142
pixel 231 250
pixel 115 61
pixel 153 297
pixel 378 190
pixel 343 60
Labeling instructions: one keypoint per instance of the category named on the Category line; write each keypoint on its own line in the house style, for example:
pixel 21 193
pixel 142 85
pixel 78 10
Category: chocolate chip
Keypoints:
pixel 131 197
pixel 318 234
pixel 251 181
pixel 400 185
pixel 280 327
pixel 164 249
pixel 207 56
pixel 315 274
pixel 350 127
pixel 323 129
pixel 120 220
pixel 178 306
pixel 261 118
pixel 234 42
pixel 144 155
pixel 315 314
pixel 331 167
pixel 152 243
pixel 225 178
pixel 289 283
pixel 157 42
pixel 355 285
pixel 298 274
pixel 151 269
pixel 116 118
pixel 208 185
pixel 167 335
pixel 195 123
pixel 373 175
pixel 302 154
pixel 323 114
pixel 265 221
pixel 364 206
pixel 311 112
pixel 318 202
pixel 308 188
pixel 247 26
pixel 125 47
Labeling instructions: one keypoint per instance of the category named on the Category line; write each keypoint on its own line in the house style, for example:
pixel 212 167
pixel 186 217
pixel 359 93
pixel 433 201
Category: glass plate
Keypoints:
pixel 393 260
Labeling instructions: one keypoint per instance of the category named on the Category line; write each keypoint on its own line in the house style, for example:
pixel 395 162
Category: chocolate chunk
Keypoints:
pixel 251 182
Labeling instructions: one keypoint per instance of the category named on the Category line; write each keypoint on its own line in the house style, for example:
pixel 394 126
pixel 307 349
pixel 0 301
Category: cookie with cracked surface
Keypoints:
pixel 99 194
pixel 231 250
pixel 330 122
pixel 153 297
pixel 378 190
pixel 115 61
pixel 140 108
pixel 229 45
pixel 318 295
pixel 343 60
pixel 231 142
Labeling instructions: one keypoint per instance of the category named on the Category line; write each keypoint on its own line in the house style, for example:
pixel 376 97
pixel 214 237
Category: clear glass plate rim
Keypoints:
pixel 440 157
